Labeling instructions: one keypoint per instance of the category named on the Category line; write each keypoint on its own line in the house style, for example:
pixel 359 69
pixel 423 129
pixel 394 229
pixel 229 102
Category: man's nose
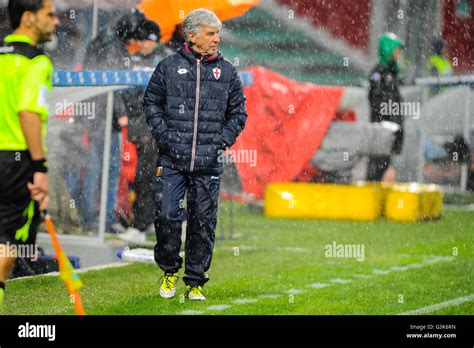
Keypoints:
pixel 217 38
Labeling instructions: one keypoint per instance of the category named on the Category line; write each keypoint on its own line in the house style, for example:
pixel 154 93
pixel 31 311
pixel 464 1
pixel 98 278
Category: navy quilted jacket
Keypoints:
pixel 190 131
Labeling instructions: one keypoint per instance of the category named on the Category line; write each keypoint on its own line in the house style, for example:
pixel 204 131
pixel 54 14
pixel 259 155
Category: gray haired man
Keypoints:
pixel 195 107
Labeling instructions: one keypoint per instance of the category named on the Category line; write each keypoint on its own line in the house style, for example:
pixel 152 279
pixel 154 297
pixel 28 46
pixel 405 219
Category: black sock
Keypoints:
pixel 2 285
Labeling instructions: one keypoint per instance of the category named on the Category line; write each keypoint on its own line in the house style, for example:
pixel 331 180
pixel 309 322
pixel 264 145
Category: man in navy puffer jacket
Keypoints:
pixel 195 106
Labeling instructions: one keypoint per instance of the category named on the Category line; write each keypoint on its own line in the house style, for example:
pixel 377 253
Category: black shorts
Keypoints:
pixel 17 209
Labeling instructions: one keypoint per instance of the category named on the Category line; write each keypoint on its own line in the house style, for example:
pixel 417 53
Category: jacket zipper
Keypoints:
pixel 196 114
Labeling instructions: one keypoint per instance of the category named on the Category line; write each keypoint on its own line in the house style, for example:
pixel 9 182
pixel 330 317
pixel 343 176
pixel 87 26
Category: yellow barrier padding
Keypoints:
pixel 412 202
pixel 360 201
pixel 409 202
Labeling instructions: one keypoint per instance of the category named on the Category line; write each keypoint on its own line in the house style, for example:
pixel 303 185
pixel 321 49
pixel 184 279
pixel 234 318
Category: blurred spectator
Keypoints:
pixel 384 89
pixel 151 52
pixel 444 163
pixel 177 40
pixel 110 50
pixel 470 174
pixel 340 170
pixel 67 43
pixel 438 65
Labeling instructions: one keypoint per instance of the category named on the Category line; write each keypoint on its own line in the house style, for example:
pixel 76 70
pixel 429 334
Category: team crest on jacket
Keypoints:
pixel 217 73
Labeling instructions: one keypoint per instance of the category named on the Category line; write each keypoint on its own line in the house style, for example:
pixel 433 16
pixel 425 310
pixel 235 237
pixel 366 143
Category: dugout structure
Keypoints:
pixel 69 111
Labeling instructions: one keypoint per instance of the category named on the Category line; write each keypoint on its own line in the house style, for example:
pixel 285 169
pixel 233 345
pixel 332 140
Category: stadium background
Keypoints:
pixel 331 45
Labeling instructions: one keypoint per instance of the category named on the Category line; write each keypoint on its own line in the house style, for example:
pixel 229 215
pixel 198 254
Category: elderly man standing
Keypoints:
pixel 195 106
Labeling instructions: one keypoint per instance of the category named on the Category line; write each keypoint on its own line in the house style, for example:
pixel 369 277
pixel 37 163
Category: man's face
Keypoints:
pixel 206 41
pixel 146 47
pixel 43 22
pixel 396 54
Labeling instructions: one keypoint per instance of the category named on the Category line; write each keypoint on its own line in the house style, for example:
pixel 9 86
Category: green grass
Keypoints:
pixel 276 255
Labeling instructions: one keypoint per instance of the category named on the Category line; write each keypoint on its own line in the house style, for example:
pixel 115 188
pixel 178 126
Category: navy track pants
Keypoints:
pixel 202 193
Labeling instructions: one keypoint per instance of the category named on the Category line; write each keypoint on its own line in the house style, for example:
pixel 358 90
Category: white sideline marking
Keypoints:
pixel 468 207
pixel 100 267
pixel 80 270
pixel 272 296
pixel 293 249
pixel 317 285
pixel 407 267
pixel 245 300
pixel 340 281
pixel 437 306
pixel 245 247
pixel 436 259
pixel 190 312
pixel 364 276
pixel 295 291
pixel 240 247
pixel 429 261
pixel 218 307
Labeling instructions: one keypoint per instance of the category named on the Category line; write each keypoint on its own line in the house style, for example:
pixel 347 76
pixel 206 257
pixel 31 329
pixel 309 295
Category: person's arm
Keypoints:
pixel 376 96
pixel 154 102
pixel 31 125
pixel 236 115
pixel 120 109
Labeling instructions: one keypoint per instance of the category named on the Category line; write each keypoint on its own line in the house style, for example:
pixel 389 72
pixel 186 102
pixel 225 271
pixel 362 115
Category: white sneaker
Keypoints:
pixel 118 228
pixel 150 230
pixel 133 235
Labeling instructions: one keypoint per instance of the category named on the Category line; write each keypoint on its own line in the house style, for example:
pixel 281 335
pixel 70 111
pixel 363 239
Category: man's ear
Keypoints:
pixel 27 19
pixel 192 38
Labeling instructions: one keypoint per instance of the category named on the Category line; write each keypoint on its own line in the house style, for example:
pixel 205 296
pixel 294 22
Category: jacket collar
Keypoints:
pixel 18 38
pixel 187 52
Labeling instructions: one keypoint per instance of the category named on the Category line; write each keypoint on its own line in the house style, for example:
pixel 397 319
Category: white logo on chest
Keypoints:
pixel 217 73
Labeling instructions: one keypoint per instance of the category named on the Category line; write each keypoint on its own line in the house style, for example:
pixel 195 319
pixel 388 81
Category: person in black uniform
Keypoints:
pixel 110 50
pixel 151 52
pixel 384 89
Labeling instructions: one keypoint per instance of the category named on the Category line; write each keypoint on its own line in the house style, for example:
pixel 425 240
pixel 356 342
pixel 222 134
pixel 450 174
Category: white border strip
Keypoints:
pixel 441 305
pixel 79 270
